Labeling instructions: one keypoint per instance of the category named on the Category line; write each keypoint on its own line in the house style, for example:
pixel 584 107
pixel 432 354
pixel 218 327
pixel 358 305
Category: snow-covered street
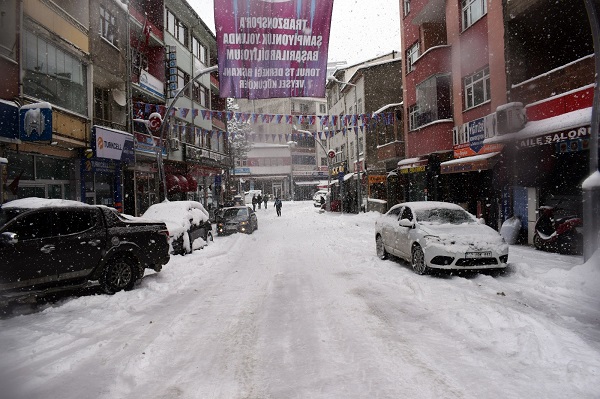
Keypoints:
pixel 303 308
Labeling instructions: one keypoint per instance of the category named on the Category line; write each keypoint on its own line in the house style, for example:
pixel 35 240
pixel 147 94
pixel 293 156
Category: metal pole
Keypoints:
pixel 591 193
pixel 358 200
pixel 168 113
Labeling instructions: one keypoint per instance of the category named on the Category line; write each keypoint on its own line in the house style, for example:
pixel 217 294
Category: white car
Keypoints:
pixel 439 235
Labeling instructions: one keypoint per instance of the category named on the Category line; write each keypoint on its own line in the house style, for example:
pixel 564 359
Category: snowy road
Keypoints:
pixel 303 308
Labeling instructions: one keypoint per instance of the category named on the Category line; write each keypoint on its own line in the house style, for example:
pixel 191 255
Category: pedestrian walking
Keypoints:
pixel 265 200
pixel 259 200
pixel 278 206
pixel 254 202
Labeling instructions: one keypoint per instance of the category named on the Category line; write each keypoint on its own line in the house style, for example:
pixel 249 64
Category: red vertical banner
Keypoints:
pixel 272 48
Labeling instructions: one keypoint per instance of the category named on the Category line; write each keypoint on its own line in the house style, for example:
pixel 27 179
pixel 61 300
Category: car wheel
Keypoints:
pixel 418 260
pixel 118 274
pixel 381 252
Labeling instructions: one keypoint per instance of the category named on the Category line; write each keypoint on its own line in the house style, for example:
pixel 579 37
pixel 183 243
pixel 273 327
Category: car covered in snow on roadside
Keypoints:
pixel 49 244
pixel 188 223
pixel 439 236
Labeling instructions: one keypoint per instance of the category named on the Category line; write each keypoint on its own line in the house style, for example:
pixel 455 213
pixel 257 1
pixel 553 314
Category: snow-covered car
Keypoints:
pixel 439 235
pixel 188 223
pixel 317 197
pixel 236 219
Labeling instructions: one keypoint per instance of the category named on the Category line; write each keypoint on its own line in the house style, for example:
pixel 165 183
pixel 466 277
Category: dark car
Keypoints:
pixel 46 244
pixel 236 219
pixel 188 223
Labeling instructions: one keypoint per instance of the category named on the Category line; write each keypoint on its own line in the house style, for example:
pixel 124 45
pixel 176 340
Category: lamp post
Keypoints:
pixel 168 114
pixel 591 189
pixel 358 199
pixel 328 164
pixel 292 145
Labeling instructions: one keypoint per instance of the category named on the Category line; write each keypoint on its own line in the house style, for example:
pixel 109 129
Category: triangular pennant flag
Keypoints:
pixel 278 118
pixel 288 120
pixel 312 119
pixel 205 114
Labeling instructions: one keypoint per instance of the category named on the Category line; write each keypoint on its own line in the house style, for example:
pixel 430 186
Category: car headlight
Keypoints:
pixel 244 223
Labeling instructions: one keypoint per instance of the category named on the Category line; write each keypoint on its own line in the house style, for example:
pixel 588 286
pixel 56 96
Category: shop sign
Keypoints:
pixel 241 171
pixel 469 137
pixel 413 169
pixel 338 168
pixel 376 179
pixel 95 165
pixel 152 84
pixel 9 120
pixel 573 145
pixel 556 138
pixel 148 144
pixel 36 122
pixel 112 144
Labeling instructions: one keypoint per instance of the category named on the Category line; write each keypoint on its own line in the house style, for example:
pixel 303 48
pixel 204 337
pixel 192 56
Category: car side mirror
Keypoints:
pixel 9 238
pixel 406 223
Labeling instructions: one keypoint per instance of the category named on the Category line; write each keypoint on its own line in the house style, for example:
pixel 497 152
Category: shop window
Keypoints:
pixel 53 75
pixel 472 11
pixel 53 168
pixel 477 88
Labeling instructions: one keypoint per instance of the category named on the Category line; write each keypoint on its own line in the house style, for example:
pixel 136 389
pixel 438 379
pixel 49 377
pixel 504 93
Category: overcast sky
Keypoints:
pixel 360 29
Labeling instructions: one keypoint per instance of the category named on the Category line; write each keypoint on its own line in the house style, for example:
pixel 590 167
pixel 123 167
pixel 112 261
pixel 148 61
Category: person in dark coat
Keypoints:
pixel 254 202
pixel 278 206
pixel 265 200
pixel 259 200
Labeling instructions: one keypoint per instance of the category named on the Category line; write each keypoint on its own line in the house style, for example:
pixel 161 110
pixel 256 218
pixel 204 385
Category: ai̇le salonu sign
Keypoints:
pixel 272 48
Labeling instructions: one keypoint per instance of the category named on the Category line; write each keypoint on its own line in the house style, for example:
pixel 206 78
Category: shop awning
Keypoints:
pixel 192 183
pixel 173 185
pixel 183 184
pixel 470 164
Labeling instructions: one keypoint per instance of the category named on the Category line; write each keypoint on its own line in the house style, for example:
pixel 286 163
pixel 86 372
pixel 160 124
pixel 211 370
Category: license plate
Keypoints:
pixel 487 254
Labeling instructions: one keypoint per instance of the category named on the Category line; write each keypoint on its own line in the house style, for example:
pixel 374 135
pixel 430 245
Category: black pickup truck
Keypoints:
pixel 48 244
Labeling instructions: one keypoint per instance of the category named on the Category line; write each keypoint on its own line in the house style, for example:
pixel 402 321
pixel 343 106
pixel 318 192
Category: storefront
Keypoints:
pixel 413 178
pixel 102 167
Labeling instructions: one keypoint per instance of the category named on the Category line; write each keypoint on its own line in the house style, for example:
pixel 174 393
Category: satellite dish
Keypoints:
pixel 119 97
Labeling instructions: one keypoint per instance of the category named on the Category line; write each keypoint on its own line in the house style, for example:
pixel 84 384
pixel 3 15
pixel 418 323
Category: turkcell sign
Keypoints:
pixel 476 131
pixel 273 48
pixel 112 144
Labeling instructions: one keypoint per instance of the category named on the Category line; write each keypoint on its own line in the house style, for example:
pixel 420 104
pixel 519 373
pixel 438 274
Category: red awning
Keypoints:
pixel 183 184
pixel 192 183
pixel 173 184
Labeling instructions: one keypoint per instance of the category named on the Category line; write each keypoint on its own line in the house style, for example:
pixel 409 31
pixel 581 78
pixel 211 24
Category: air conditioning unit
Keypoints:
pixel 510 118
pixel 174 144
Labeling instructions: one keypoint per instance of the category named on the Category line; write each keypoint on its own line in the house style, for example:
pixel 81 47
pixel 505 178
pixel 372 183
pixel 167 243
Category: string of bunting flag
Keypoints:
pixel 325 122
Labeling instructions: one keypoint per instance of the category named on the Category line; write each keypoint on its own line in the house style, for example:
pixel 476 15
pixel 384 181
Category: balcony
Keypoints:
pixel 390 151
pixel 571 76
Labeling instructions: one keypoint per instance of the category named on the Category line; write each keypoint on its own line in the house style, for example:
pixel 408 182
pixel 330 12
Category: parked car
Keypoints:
pixel 236 219
pixel 46 244
pixel 188 223
pixel 439 235
pixel 317 197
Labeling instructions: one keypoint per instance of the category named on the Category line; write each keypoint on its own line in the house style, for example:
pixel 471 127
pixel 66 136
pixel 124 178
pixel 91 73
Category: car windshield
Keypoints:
pixel 443 216
pixel 234 212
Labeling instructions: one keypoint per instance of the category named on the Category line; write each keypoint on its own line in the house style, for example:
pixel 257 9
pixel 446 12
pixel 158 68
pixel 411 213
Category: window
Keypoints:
pixel 477 88
pixel 108 26
pixel 411 56
pixel 199 51
pixel 406 7
pixel 177 29
pixel 200 94
pixel 33 226
pixel 102 109
pixel 53 75
pixel 433 100
pixel 140 61
pixel 413 111
pixel 182 79
pixel 472 11
pixel 303 108
pixel 322 109
pixel 72 222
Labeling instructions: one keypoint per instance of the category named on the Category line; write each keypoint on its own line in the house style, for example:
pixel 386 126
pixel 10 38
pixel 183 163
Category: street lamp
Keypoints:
pixel 163 126
pixel 292 145
pixel 358 199
pixel 327 155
